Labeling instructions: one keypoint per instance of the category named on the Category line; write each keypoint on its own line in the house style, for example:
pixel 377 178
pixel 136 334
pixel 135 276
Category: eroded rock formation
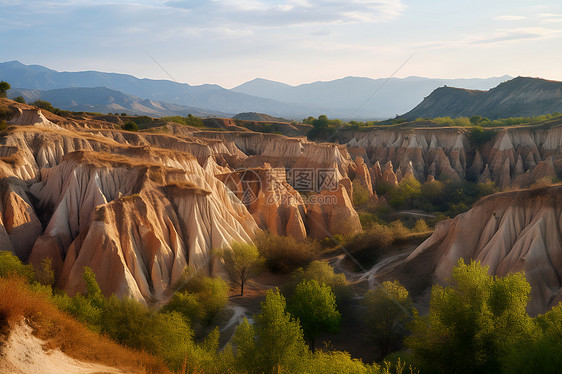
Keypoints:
pixel 515 157
pixel 508 232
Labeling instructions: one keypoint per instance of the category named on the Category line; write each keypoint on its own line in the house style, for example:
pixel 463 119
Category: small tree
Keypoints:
pixel 314 304
pixel 4 87
pixel 323 272
pixel 241 261
pixel 275 340
pixel 19 99
pixel 387 309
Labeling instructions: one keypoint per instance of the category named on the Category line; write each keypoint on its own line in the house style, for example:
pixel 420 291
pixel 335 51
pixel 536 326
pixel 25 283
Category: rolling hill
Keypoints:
pixel 519 97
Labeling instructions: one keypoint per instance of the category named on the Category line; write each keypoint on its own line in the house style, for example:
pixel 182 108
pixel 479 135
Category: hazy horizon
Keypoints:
pixel 292 41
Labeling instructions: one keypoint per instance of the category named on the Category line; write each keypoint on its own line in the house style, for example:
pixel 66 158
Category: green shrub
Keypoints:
pixel 130 126
pixel 421 226
pixel 211 294
pixel 10 265
pixel 185 303
pixel 284 254
pixel 472 323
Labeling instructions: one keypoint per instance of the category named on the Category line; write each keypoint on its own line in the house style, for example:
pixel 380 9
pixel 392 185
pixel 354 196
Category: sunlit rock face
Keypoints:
pixel 508 232
pixel 514 157
pixel 139 207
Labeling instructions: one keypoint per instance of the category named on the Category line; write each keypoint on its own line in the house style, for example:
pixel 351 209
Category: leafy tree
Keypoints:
pixel 314 304
pixel 187 304
pixel 322 272
pixel 4 87
pixel 475 120
pixel 471 323
pixel 241 261
pixel 211 293
pixel 360 194
pixel 408 189
pixel 275 340
pixel 19 99
pixel 388 308
pixel 541 352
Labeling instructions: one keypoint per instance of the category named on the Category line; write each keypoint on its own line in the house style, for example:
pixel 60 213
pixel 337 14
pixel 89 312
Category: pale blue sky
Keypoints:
pixel 292 41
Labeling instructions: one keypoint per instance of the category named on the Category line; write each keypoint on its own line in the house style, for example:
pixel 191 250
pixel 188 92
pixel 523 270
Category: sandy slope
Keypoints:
pixel 23 353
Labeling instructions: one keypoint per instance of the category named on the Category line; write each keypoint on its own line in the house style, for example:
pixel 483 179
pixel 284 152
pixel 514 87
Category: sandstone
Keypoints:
pixel 508 232
pixel 331 212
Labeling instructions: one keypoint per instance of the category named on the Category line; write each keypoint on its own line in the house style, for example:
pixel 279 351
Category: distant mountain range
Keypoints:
pixel 207 98
pixel 518 97
pixel 349 96
pixel 105 100
pixel 338 99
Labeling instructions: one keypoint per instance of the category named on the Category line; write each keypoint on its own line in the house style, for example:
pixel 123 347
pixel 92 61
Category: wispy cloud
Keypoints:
pixel 294 12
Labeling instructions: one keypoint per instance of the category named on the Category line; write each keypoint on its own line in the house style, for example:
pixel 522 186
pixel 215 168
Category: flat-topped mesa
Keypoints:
pixel 275 205
pixel 508 232
pixel 136 224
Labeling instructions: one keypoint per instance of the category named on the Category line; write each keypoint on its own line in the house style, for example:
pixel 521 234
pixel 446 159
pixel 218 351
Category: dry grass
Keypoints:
pixel 61 331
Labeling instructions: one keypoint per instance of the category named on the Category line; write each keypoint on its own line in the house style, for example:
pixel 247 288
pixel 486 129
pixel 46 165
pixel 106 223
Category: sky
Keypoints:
pixel 291 41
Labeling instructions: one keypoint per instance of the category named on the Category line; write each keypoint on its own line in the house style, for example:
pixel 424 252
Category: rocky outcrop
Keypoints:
pixel 363 176
pixel 331 212
pixel 516 156
pixel 275 205
pixel 508 232
pixel 139 223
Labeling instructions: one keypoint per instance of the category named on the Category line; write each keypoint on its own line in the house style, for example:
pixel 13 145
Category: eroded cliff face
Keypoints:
pixel 515 157
pixel 508 232
pixel 138 208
